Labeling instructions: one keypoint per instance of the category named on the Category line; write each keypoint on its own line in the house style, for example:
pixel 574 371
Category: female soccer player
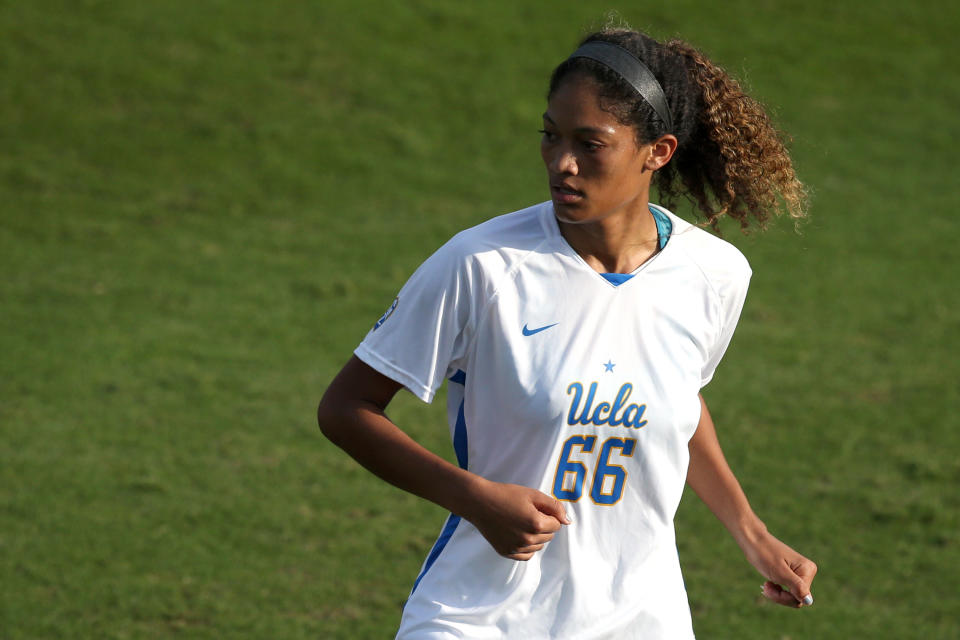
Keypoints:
pixel 576 336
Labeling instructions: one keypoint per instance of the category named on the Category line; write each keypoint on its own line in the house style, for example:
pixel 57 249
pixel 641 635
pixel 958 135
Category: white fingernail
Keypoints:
pixel 808 599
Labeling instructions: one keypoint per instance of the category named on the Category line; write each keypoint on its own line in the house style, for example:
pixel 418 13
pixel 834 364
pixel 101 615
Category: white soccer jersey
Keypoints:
pixel 562 381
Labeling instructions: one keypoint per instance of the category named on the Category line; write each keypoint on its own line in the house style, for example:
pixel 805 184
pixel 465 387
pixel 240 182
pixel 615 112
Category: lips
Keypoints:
pixel 564 193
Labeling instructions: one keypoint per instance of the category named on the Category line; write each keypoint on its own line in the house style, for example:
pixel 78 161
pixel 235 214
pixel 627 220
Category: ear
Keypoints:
pixel 661 150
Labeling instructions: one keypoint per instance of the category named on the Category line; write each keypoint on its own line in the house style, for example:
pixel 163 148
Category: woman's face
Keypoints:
pixel 594 164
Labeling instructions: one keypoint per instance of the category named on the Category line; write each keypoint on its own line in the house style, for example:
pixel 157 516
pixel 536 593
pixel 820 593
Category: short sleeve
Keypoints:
pixel 732 292
pixel 423 336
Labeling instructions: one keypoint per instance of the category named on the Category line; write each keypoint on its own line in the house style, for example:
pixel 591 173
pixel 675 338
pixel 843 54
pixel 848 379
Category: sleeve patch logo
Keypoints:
pixel 386 315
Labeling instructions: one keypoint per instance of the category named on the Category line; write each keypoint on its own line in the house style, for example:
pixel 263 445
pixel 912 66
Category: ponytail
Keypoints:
pixel 735 163
pixel 730 159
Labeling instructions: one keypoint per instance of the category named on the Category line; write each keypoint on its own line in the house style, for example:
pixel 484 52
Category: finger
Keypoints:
pixel 537 538
pixel 807 570
pixel 523 557
pixel 530 548
pixel 798 578
pixel 776 593
pixel 552 507
pixel 546 524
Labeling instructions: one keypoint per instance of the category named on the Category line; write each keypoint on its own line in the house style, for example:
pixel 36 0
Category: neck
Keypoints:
pixel 617 243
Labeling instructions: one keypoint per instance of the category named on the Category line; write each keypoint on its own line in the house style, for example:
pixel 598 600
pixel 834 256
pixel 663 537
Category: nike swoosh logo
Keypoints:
pixel 530 332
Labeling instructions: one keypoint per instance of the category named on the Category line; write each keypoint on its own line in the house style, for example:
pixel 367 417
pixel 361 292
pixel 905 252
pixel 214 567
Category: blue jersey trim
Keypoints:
pixel 460 430
pixel 664 226
pixel 460 448
pixel 460 439
pixel 617 278
pixel 448 529
pixel 664 229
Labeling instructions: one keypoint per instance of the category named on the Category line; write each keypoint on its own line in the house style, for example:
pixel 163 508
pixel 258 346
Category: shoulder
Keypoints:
pixel 720 263
pixel 499 244
pixel 476 262
pixel 519 230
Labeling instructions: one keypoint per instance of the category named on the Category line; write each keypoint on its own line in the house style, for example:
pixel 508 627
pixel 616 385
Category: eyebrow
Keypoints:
pixel 580 129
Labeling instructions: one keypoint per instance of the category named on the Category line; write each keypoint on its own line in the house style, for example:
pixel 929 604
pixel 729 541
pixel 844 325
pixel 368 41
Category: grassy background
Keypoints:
pixel 204 206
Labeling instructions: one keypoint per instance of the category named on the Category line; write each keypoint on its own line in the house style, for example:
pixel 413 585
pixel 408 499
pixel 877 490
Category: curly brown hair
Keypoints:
pixel 730 161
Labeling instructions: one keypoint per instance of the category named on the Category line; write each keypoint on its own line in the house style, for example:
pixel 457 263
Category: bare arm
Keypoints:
pixel 517 521
pixel 788 573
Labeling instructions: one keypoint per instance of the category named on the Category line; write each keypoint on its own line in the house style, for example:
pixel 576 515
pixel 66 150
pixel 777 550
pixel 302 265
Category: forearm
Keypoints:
pixel 788 573
pixel 516 520
pixel 373 440
pixel 712 480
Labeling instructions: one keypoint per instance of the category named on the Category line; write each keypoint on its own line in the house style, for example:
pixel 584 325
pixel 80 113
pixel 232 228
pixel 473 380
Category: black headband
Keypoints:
pixel 631 69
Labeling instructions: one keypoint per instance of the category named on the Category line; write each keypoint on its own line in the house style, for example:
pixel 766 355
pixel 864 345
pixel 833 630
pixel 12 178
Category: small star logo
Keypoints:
pixel 609 365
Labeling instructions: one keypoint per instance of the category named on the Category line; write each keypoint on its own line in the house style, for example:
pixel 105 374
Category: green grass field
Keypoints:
pixel 205 205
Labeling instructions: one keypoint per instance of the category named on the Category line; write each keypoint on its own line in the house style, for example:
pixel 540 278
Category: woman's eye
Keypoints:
pixel 592 146
pixel 547 135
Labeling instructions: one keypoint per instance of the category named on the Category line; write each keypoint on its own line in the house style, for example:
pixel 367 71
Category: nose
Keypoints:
pixel 563 161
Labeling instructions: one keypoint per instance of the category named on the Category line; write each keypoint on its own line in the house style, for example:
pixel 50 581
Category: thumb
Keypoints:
pixel 805 571
pixel 798 585
pixel 800 591
pixel 552 507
